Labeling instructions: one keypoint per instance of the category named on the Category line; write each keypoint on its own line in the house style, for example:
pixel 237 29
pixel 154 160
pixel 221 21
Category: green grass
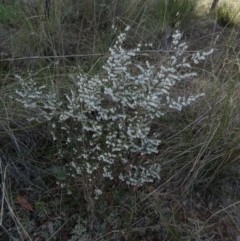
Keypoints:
pixel 174 13
pixel 7 14
pixel 197 197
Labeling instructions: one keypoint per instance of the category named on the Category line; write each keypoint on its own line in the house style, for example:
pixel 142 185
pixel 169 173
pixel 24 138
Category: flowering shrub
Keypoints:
pixel 106 120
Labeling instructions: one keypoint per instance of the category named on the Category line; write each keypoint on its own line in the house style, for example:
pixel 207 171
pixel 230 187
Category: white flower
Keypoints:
pixel 127 28
pixel 98 192
pixel 106 120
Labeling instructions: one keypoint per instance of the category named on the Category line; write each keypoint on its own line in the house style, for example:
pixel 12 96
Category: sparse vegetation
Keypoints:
pixel 80 151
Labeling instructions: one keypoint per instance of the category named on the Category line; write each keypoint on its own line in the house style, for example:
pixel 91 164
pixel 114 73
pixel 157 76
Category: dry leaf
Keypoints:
pixel 24 203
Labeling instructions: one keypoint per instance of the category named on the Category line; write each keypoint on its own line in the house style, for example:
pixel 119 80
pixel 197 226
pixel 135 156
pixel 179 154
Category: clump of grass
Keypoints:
pixel 79 28
pixel 8 14
pixel 174 13
pixel 226 16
